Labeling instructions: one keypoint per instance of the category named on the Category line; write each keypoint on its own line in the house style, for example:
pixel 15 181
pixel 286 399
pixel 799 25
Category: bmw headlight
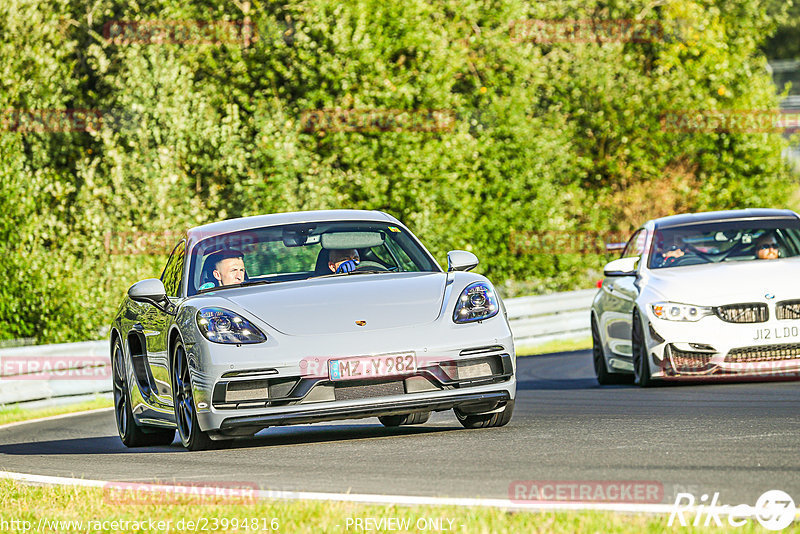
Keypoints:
pixel 476 303
pixel 223 326
pixel 673 311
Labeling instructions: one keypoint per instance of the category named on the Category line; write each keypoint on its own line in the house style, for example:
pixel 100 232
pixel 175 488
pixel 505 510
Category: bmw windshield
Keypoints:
pixel 301 251
pixel 727 241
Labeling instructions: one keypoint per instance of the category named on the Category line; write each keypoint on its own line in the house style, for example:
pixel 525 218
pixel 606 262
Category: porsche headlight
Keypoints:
pixel 223 326
pixel 673 311
pixel 476 303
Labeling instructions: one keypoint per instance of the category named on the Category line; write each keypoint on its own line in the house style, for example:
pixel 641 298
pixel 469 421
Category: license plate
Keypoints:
pixel 373 366
pixel 766 335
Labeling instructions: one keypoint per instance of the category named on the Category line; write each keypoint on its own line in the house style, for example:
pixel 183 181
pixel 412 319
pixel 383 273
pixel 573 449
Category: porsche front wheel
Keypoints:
pixel 189 431
pixel 131 434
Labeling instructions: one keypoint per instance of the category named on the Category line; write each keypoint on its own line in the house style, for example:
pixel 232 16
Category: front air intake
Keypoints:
pixel 743 313
pixel 684 362
pixel 788 309
pixel 765 353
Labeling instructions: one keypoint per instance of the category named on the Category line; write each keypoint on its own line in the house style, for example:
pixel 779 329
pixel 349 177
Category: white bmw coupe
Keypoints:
pixel 702 296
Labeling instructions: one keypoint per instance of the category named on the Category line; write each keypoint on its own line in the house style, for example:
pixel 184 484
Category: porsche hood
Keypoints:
pixel 343 304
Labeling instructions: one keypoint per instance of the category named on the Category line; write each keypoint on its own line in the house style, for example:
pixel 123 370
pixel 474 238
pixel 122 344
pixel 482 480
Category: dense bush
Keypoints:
pixel 538 137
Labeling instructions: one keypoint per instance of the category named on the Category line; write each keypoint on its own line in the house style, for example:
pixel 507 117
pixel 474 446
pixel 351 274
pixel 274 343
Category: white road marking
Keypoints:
pixel 406 500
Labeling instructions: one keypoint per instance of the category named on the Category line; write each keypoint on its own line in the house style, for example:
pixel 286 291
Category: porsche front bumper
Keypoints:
pixel 284 393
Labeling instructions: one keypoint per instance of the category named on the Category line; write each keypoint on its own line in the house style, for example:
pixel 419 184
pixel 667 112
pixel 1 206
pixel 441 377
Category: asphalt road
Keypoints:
pixel 737 439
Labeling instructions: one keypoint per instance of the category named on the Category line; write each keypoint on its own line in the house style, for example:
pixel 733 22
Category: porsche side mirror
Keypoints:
pixel 621 267
pixel 461 260
pixel 150 291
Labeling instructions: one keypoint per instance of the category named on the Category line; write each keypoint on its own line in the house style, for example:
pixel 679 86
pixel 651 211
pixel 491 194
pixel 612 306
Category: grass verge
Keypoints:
pixel 13 414
pixel 93 510
pixel 556 346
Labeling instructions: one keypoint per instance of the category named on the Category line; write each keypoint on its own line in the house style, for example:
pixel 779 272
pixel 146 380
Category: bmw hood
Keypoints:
pixel 342 304
pixel 728 283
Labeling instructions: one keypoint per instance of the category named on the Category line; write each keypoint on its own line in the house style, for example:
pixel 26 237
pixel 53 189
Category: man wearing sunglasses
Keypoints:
pixel 767 247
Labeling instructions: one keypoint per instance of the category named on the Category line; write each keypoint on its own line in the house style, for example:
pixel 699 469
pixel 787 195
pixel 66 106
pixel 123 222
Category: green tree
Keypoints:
pixel 563 137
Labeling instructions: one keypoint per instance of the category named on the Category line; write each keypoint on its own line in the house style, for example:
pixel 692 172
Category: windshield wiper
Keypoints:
pixel 255 283
pixel 360 271
pixel 242 284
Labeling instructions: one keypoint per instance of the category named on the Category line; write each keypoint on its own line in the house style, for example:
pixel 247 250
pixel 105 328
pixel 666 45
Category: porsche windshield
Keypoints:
pixel 301 251
pixel 766 239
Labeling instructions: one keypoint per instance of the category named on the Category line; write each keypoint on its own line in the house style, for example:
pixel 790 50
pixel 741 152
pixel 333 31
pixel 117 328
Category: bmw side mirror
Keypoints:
pixel 150 291
pixel 461 260
pixel 615 248
pixel 621 267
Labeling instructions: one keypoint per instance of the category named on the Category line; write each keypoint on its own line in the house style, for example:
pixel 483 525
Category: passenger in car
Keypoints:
pixel 343 261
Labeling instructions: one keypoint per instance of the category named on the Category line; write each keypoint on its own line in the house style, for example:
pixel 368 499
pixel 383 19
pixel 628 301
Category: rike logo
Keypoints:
pixel 774 510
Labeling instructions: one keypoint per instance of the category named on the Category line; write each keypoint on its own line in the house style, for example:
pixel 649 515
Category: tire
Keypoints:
pixel 641 363
pixel 189 431
pixel 131 434
pixel 604 377
pixel 488 420
pixel 403 420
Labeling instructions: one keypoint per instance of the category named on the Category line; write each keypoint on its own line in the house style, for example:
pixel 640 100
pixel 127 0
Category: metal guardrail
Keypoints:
pixel 37 372
pixel 560 316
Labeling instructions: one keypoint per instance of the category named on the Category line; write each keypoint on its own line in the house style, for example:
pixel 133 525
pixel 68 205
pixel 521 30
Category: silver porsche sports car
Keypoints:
pixel 702 296
pixel 305 317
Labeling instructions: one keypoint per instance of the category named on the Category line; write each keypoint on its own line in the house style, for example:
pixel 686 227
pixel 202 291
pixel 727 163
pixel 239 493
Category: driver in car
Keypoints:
pixel 343 261
pixel 671 254
pixel 228 268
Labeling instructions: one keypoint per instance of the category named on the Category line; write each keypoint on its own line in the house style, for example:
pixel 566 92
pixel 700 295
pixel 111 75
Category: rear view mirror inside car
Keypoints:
pixel 294 238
